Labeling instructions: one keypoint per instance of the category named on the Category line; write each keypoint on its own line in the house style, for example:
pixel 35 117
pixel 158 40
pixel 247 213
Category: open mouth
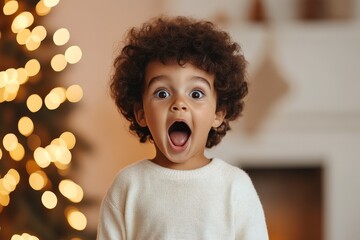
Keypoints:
pixel 179 133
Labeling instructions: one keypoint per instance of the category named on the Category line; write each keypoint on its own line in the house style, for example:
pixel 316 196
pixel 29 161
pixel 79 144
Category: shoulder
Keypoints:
pixel 128 176
pixel 234 173
pixel 240 181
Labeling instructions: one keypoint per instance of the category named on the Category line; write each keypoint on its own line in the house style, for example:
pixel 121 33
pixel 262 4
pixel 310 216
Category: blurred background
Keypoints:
pixel 299 138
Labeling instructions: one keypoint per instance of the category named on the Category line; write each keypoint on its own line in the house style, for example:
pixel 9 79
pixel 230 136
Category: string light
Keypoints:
pixel 10 7
pixel 41 9
pixel 76 219
pixel 24 236
pixel 49 199
pixel 61 36
pixel 57 152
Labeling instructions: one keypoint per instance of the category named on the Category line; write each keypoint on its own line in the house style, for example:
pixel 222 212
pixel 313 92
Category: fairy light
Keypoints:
pixel 24 236
pixel 34 103
pixel 73 54
pixel 10 141
pixel 76 219
pixel 61 36
pixel 29 135
pixel 22 21
pixel 71 190
pixel 10 7
pixel 32 67
pixel 18 153
pixel 58 62
pixel 25 126
pixel 41 9
pixel 49 199
pixel 74 93
pixel 38 180
pixel 51 3
pixel 69 139
pixel 42 157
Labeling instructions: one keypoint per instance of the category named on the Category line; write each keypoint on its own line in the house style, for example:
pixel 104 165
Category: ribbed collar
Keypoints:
pixel 214 164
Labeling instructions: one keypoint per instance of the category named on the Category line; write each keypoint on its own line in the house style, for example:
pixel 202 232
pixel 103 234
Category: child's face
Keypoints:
pixel 179 108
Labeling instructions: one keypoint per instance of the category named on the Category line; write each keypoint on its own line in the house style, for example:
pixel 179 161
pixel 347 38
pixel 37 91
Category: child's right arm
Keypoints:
pixel 111 225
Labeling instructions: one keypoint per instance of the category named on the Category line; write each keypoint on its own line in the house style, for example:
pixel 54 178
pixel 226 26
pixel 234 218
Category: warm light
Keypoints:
pixel 73 54
pixel 51 3
pixel 10 141
pixel 12 172
pixel 0 154
pixel 59 153
pixel 60 93
pixel 52 101
pixel 4 199
pixel 41 9
pixel 74 93
pixel 58 62
pixel 23 36
pixel 32 45
pixel 71 190
pixel 24 236
pixel 39 33
pixel 69 139
pixel 22 76
pixel 42 157
pixel 32 67
pixel 49 199
pixel 76 219
pixel 10 7
pixel 34 40
pixel 26 126
pixel 34 103
pixel 55 98
pixel 61 36
pixel 38 180
pixel 31 166
pixel 18 153
pixel 22 21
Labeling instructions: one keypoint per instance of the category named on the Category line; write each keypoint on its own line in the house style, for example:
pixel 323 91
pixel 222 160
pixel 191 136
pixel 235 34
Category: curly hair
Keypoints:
pixel 185 40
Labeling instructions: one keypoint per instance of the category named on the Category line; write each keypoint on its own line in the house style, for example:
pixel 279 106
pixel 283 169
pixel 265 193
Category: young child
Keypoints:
pixel 179 82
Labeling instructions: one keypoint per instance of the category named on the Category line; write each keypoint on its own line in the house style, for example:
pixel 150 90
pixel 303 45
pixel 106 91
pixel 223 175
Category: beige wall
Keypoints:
pixel 315 122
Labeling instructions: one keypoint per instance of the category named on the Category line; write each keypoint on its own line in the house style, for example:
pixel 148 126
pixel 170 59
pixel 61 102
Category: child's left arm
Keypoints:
pixel 250 217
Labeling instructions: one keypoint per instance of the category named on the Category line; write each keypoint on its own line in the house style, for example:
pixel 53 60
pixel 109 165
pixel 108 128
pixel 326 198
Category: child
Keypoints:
pixel 179 82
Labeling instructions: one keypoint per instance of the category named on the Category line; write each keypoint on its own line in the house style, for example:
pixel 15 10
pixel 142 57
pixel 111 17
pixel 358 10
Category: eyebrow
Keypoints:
pixel 161 77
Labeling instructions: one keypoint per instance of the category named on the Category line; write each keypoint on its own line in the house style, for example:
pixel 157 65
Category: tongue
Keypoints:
pixel 179 138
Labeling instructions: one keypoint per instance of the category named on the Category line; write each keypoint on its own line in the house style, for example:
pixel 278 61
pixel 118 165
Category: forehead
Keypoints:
pixel 158 71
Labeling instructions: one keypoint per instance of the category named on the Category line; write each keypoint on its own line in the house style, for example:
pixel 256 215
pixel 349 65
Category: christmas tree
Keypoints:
pixel 38 198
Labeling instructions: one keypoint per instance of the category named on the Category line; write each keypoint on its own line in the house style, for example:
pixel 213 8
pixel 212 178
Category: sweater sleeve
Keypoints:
pixel 111 223
pixel 250 217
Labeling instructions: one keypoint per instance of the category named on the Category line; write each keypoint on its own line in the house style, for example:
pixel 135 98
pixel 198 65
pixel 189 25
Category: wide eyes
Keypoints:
pixel 195 94
pixel 162 94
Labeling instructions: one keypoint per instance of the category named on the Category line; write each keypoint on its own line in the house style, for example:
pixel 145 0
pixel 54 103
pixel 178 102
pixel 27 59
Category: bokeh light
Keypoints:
pixel 49 199
pixel 74 93
pixel 61 36
pixel 73 54
pixel 76 219
pixel 34 103
pixel 10 7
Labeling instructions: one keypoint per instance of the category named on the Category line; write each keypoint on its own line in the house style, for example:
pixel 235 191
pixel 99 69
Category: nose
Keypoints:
pixel 179 105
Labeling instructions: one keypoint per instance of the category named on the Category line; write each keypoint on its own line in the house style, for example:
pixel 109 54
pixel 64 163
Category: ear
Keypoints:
pixel 219 118
pixel 140 115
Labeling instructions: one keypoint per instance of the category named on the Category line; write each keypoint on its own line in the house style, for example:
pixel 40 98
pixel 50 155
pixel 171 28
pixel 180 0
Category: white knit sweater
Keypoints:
pixel 149 202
